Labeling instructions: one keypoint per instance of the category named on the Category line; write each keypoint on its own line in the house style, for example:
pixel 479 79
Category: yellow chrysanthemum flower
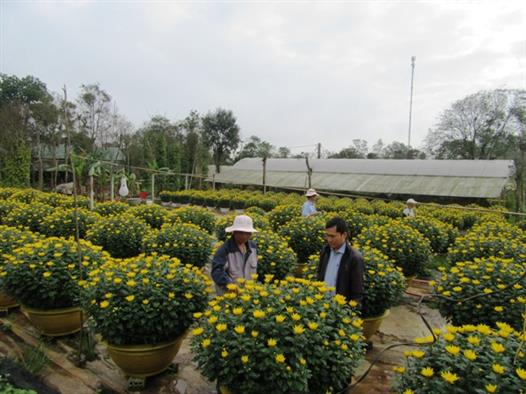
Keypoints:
pixel 470 355
pixel 280 358
pixel 104 304
pixel 497 347
pixel 427 372
pixel 298 330
pixel 491 388
pixel 197 331
pixel 280 319
pixel 449 376
pixel 497 368
pixel 399 369
pixel 454 350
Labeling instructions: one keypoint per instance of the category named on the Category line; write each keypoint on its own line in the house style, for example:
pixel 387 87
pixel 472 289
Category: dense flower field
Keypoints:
pixel 150 263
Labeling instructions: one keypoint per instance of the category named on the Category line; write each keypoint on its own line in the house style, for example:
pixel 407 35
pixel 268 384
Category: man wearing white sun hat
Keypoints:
pixel 410 209
pixel 309 207
pixel 237 257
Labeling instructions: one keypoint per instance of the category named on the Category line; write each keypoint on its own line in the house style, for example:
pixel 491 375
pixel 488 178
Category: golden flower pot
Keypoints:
pixel 145 360
pixel 6 302
pixel 372 324
pixel 55 322
pixel 224 390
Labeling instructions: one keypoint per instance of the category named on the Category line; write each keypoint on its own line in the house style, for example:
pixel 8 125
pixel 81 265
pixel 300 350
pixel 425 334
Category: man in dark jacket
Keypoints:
pixel 341 266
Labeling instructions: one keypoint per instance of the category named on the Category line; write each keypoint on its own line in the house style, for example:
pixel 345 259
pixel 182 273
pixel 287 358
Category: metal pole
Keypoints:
pixel 112 186
pixel 153 188
pixel 265 175
pixel 91 193
pixel 413 59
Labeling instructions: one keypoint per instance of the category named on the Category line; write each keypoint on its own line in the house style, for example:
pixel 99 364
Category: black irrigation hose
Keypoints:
pixel 424 298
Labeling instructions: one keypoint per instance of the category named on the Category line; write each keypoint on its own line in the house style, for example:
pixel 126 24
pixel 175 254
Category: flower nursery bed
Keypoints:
pixel 101 375
pixel 62 375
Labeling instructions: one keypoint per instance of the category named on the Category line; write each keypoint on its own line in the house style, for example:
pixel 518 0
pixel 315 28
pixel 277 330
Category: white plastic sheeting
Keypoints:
pixel 453 178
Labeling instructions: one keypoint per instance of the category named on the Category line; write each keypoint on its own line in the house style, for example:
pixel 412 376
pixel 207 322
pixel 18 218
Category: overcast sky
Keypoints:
pixel 293 73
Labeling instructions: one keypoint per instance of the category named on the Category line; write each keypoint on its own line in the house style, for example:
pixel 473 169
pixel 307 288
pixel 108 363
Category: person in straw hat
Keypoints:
pixel 309 207
pixel 410 209
pixel 237 257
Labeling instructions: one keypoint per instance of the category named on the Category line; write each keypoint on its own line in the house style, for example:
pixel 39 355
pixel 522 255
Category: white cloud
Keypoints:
pixel 292 72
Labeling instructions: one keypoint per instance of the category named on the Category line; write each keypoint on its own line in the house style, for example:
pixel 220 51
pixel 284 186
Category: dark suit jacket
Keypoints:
pixel 349 282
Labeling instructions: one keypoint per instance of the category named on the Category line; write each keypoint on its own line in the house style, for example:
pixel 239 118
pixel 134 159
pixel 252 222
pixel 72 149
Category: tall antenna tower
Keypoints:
pixel 413 59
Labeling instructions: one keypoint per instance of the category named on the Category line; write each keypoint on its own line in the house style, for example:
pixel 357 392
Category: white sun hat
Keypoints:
pixel 242 223
pixel 411 201
pixel 311 192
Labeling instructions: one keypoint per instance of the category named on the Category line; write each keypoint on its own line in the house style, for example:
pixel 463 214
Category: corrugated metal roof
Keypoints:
pixel 452 178
pixel 468 168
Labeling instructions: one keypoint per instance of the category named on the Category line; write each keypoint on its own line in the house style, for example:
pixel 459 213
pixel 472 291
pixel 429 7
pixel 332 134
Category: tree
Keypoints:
pixel 26 111
pixel 399 150
pixel 283 152
pixel 357 151
pixel 94 114
pixel 255 147
pixel 361 147
pixel 377 150
pixel 195 160
pixel 162 147
pixel 347 153
pixel 221 135
pixel 479 126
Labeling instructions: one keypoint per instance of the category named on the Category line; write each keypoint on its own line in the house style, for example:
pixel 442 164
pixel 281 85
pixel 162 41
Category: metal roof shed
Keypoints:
pixel 447 178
